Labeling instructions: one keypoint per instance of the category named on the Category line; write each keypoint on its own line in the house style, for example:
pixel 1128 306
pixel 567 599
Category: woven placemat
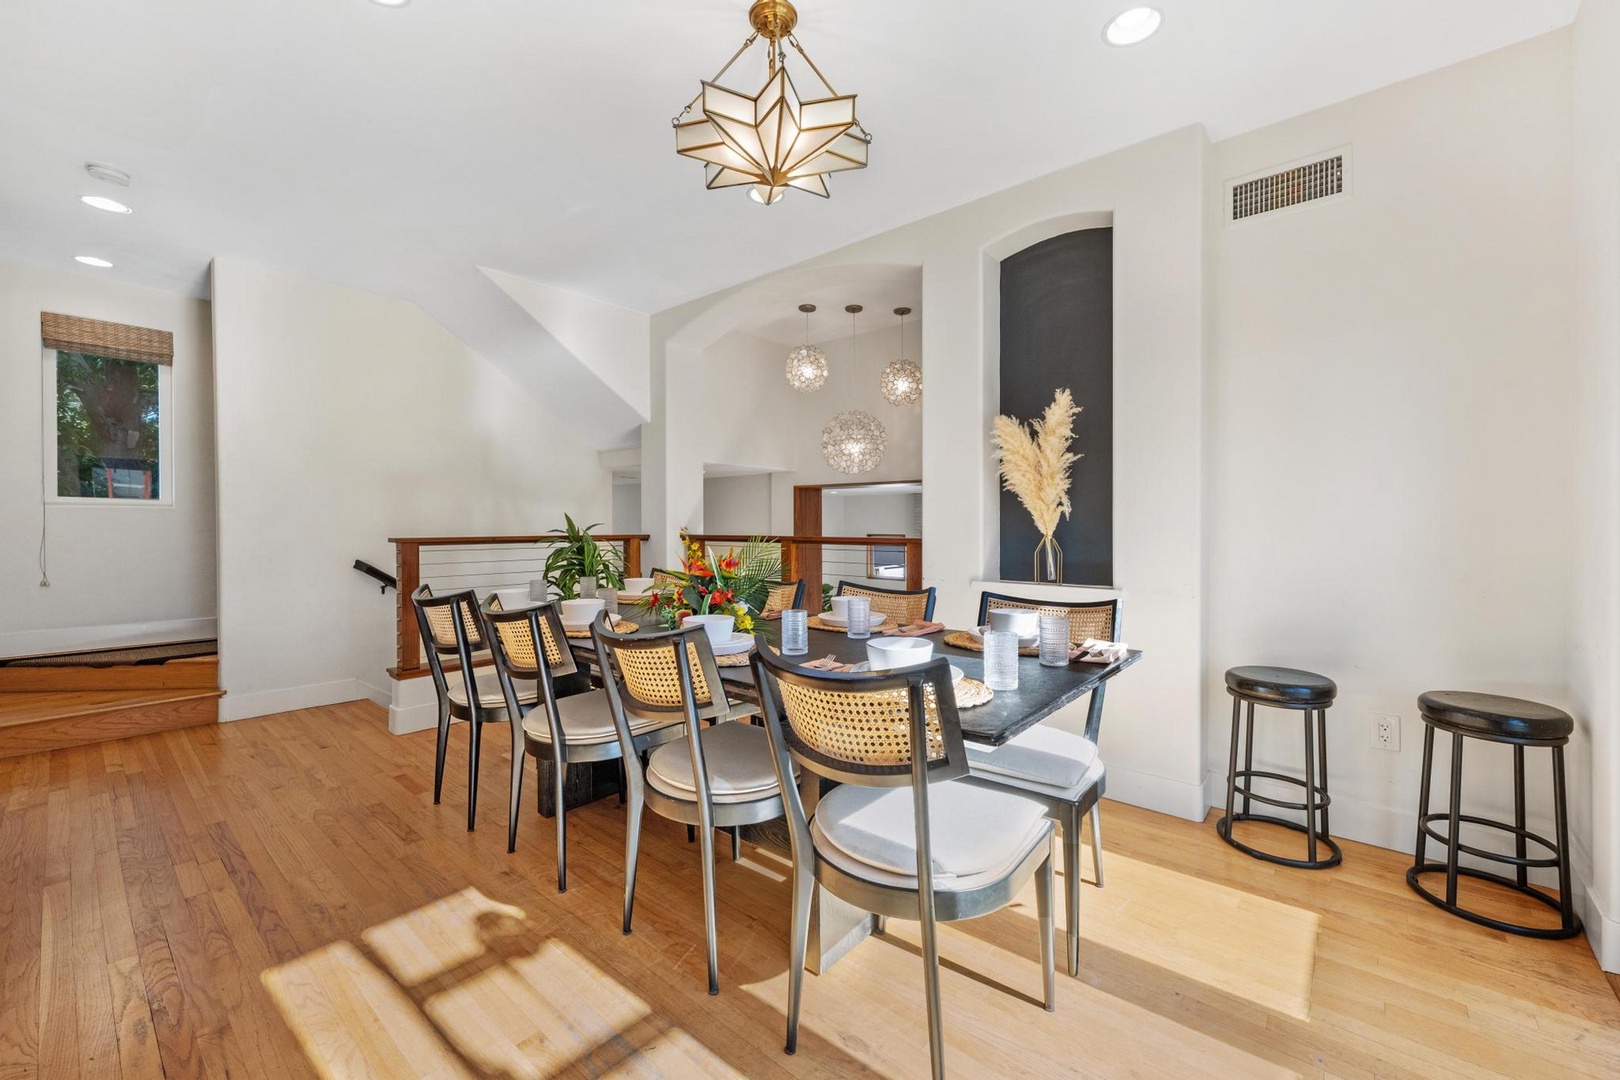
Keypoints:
pixel 623 626
pixel 964 640
pixel 971 692
pixel 816 622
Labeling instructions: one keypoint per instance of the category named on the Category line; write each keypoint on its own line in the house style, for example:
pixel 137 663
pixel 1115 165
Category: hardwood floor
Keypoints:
pixel 278 897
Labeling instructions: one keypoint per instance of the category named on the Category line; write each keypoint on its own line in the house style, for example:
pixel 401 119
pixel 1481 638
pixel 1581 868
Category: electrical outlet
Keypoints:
pixel 1386 732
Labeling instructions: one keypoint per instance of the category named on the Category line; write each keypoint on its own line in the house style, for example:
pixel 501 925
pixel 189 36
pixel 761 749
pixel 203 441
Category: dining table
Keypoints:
pixel 837 927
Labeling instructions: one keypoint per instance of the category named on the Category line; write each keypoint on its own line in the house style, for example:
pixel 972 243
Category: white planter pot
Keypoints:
pixel 718 627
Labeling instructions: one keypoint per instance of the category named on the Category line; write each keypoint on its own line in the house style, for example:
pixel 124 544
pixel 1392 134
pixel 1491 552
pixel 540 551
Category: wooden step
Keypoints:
pixel 191 673
pixel 31 722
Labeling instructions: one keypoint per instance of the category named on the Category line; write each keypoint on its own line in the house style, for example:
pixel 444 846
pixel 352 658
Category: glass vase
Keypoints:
pixel 1048 562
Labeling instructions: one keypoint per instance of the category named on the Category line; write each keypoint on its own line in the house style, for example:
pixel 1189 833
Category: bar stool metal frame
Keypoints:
pixel 1240 782
pixel 1569 923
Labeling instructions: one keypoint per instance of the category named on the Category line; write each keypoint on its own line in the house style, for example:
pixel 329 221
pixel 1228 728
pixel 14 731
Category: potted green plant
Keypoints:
pixel 580 557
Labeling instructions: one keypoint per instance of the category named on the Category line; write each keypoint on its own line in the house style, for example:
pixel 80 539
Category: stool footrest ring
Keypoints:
pixel 1414 874
pixel 1246 791
pixel 1223 828
pixel 1427 824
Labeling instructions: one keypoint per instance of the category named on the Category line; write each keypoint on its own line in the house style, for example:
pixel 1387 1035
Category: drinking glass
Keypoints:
pixel 1001 660
pixel 795 632
pixel 1054 641
pixel 860 617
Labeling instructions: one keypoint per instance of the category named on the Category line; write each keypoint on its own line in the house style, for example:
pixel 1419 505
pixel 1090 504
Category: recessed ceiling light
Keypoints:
pixel 1133 26
pixel 391 3
pixel 109 173
pixel 91 260
pixel 101 202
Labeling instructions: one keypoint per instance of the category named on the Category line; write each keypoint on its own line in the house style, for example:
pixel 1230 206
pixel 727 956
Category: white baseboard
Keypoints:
pixel 1602 929
pixel 1152 792
pixel 79 638
pixel 243 706
pixel 413 706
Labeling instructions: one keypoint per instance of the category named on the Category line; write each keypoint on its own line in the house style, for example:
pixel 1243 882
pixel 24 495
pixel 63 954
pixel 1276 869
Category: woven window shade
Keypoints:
pixel 116 341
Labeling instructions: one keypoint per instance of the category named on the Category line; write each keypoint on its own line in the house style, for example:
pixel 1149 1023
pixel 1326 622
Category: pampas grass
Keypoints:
pixel 1035 460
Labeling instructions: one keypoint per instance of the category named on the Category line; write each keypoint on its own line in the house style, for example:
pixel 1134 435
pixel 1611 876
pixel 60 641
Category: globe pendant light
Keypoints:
pixel 855 440
pixel 806 365
pixel 902 379
pixel 771 140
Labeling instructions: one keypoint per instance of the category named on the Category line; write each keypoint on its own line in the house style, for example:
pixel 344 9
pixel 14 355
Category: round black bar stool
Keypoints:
pixel 1520 724
pixel 1302 691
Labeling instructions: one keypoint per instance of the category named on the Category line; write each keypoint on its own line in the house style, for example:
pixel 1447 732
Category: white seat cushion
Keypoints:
pixel 586 719
pixel 489 690
pixel 977 834
pixel 1044 759
pixel 738 757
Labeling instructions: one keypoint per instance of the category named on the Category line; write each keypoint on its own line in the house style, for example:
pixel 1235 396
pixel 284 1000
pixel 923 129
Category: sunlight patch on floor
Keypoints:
pixel 1260 950
pixel 466 987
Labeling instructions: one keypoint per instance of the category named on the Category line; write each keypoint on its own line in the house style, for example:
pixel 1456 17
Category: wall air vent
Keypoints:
pixel 1294 185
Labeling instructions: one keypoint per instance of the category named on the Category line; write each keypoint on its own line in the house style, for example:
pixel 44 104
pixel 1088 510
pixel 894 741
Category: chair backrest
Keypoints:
pixel 873 730
pixel 436 618
pixel 1087 619
pixel 782 595
pixel 661 578
pixel 512 637
pixel 901 605
pixel 648 673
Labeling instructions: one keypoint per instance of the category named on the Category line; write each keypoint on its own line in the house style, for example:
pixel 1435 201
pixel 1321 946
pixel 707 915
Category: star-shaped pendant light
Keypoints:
pixel 772 140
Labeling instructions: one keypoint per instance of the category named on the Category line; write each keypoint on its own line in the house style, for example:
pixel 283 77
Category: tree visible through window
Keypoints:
pixel 106 427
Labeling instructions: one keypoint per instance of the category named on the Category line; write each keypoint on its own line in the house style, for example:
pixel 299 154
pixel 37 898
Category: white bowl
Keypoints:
pixel 580 612
pixel 895 653
pixel 839 608
pixel 637 585
pixel 718 627
pixel 1026 624
pixel 515 599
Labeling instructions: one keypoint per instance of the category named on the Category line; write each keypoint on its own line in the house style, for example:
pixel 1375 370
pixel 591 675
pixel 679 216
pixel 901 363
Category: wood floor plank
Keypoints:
pixel 280 898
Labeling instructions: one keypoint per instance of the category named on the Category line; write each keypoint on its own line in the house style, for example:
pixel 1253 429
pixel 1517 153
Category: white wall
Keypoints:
pixel 1153 196
pixel 737 504
pixel 1389 393
pixel 345 418
pixel 120 573
pixel 626 506
pixel 1595 567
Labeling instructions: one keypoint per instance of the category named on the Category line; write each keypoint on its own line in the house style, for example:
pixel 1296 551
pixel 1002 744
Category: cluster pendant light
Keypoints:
pixel 806 364
pixel 902 379
pixel 771 140
pixel 855 440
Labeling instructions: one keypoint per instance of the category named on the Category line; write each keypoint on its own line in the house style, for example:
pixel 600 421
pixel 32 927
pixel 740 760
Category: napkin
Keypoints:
pixel 1111 652
pixel 771 616
pixel 916 629
pixel 828 663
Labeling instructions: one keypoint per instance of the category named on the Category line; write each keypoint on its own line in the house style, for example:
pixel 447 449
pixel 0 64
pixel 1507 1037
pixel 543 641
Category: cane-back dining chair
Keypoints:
pixel 450 629
pixel 902 605
pixel 1059 767
pixel 782 595
pixel 719 776
pixel 559 729
pixel 907 835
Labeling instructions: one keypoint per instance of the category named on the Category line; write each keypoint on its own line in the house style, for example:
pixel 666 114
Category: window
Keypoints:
pixel 107 431
pixel 108 423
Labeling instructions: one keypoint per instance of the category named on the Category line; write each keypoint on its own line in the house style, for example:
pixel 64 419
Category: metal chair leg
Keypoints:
pixel 475 729
pixel 1519 846
pixel 1071 891
pixel 1248 756
pixel 632 848
pixel 1310 787
pixel 444 749
pixel 1232 769
pixel 1566 898
pixel 516 791
pixel 1043 910
pixel 1321 766
pixel 1423 795
pixel 706 847
pixel 1096 840
pixel 559 774
pixel 930 946
pixel 804 883
pixel 736 842
pixel 880 924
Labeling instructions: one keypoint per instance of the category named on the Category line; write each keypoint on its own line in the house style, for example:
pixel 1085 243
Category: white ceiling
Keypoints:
pixel 400 149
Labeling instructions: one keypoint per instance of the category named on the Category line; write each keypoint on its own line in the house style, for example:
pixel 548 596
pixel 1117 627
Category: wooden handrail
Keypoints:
pixel 408 569
pixel 806 563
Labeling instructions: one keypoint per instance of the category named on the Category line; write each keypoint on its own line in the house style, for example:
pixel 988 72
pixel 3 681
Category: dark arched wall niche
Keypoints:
pixel 1057 329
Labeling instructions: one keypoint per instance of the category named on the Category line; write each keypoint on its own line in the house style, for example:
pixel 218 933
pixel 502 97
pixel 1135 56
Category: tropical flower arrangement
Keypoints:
pixel 735 583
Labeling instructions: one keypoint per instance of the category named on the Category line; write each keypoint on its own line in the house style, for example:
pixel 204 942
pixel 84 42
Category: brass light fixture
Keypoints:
pixel 771 140
pixel 902 379
pixel 806 365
